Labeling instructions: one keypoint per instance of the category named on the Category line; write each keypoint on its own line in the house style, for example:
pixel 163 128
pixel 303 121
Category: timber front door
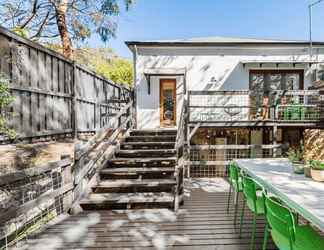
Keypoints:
pixel 167 102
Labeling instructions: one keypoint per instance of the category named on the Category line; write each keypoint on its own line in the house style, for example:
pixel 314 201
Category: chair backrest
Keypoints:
pixel 281 222
pixel 234 175
pixel 249 190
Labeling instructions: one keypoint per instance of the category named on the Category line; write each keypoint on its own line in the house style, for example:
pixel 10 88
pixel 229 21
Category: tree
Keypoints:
pixel 106 63
pixel 70 20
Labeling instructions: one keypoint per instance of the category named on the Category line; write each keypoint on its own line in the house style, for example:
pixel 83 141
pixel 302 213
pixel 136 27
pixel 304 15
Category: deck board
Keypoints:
pixel 201 223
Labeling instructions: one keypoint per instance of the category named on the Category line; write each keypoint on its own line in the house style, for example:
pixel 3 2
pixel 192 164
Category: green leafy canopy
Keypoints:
pixel 106 63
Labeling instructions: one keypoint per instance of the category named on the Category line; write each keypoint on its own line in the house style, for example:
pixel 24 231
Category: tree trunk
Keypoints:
pixel 62 28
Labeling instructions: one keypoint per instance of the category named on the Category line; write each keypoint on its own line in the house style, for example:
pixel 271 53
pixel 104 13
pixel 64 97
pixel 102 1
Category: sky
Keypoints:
pixel 179 19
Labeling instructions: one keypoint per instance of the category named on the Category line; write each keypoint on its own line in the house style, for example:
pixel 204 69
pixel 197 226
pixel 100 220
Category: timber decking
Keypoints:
pixel 202 223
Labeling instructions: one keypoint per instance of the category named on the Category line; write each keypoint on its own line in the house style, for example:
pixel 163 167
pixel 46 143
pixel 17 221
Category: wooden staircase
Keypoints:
pixel 141 175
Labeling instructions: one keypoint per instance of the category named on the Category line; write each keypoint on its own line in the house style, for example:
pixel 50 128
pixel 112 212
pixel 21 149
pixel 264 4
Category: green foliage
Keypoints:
pixel 118 70
pixel 315 164
pixel 296 154
pixel 104 62
pixel 20 32
pixel 5 100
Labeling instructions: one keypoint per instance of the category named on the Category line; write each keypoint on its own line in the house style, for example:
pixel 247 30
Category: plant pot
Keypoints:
pixel 317 175
pixel 298 167
pixel 307 172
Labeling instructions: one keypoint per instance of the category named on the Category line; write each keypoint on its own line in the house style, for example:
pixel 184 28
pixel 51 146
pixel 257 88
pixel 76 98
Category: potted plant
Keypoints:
pixel 317 170
pixel 307 169
pixel 295 155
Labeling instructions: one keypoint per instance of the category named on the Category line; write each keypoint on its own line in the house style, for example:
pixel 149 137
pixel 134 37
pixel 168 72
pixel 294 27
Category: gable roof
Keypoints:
pixel 219 41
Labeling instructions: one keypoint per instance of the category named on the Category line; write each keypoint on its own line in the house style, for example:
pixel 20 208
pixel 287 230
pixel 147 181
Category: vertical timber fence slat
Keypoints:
pixel 54 96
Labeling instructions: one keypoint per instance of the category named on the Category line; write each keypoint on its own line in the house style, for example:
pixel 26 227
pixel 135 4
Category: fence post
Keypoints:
pixel 119 106
pixel 74 115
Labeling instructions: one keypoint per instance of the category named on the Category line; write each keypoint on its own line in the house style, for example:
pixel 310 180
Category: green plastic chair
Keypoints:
pixel 254 202
pixel 285 231
pixel 235 181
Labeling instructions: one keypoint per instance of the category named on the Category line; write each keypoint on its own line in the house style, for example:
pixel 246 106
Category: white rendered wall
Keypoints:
pixel 201 65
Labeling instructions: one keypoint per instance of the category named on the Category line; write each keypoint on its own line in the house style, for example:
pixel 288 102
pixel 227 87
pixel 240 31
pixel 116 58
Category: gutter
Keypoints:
pixel 209 44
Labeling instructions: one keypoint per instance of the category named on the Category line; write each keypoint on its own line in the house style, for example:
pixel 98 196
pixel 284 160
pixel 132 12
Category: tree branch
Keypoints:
pixel 34 11
pixel 41 27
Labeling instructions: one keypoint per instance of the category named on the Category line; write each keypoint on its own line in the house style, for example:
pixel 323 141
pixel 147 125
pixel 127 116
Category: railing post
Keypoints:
pixel 321 105
pixel 129 115
pixel 275 136
pixel 74 115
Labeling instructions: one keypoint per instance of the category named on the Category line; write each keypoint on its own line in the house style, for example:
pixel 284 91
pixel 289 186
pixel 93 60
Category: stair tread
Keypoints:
pixel 150 138
pixel 153 130
pixel 149 143
pixel 136 170
pixel 130 182
pixel 131 151
pixel 94 198
pixel 136 159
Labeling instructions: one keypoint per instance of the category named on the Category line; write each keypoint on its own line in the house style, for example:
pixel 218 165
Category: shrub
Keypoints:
pixel 315 164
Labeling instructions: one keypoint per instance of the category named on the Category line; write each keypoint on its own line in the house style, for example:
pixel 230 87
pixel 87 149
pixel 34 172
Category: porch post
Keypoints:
pixel 275 136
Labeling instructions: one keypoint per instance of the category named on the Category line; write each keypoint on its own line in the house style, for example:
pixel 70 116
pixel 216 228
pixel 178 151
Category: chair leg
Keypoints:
pixel 253 232
pixel 236 206
pixel 241 220
pixel 266 236
pixel 229 197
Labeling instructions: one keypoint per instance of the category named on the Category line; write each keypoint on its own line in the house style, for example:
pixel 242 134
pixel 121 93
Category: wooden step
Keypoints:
pixel 147 153
pixel 136 185
pixel 157 132
pixel 165 138
pixel 135 173
pixel 127 201
pixel 141 162
pixel 148 145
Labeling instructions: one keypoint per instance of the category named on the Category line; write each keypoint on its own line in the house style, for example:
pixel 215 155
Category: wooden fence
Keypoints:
pixel 30 198
pixel 53 95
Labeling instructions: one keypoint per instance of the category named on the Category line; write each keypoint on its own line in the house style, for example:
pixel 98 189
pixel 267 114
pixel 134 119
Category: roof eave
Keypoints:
pixel 213 44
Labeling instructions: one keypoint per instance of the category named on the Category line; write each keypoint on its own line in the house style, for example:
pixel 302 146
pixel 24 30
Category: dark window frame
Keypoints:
pixel 279 71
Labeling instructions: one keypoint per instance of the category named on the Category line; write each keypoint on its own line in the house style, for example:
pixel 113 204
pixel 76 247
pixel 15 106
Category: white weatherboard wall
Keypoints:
pixel 203 63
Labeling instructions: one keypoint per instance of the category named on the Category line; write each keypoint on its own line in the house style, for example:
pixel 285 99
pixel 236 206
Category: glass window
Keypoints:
pixel 265 81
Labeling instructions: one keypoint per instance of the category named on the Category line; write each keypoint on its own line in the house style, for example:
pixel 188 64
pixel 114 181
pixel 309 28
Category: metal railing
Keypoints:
pixel 224 106
pixel 180 147
pixel 210 160
pixel 224 153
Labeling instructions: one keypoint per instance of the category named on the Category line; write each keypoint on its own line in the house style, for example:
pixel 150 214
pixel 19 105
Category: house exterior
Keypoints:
pixel 227 83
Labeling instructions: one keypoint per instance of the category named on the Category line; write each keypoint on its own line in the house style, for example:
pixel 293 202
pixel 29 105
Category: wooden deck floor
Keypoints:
pixel 202 223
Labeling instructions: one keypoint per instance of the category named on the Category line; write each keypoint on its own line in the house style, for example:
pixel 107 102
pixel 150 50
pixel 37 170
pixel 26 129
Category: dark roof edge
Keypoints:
pixel 220 44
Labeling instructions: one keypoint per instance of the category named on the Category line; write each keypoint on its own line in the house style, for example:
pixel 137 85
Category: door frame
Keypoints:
pixel 174 80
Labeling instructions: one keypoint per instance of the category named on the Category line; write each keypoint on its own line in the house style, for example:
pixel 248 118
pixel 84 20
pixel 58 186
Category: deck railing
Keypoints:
pixel 225 106
pixel 223 153
pixel 212 159
pixel 180 147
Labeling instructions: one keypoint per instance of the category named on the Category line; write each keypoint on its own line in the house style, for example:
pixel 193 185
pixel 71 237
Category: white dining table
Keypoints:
pixel 304 195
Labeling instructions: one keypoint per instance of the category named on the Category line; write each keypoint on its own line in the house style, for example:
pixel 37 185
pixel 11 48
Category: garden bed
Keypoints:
pixel 16 157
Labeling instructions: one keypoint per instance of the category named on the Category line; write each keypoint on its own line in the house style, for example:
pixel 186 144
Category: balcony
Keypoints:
pixel 289 107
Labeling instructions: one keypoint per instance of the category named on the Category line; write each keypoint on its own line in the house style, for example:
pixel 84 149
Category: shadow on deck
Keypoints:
pixel 202 223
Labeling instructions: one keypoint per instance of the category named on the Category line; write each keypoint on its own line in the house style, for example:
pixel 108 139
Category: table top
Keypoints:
pixel 300 193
